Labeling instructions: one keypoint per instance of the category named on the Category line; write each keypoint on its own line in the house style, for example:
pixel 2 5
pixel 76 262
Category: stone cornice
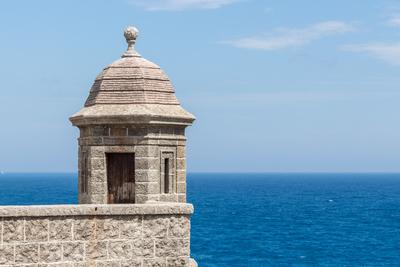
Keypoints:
pixel 96 210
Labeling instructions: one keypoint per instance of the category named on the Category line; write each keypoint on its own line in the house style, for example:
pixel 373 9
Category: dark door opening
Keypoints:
pixel 121 177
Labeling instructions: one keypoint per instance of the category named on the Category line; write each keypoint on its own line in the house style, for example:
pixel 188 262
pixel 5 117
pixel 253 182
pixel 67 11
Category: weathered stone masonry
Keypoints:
pixel 149 149
pixel 95 235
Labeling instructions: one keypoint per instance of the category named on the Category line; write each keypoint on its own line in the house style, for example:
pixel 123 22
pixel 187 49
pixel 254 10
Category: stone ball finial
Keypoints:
pixel 131 33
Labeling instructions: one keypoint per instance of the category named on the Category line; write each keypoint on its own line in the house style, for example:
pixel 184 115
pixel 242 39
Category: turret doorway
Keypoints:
pixel 121 177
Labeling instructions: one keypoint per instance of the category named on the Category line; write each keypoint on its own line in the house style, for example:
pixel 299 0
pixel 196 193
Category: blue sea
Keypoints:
pixel 268 219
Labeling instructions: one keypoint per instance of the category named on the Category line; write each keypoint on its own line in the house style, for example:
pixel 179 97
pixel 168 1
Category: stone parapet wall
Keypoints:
pixel 96 235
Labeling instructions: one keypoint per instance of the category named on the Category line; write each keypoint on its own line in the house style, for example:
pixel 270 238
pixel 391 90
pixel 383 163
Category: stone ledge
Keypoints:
pixel 96 210
pixel 132 114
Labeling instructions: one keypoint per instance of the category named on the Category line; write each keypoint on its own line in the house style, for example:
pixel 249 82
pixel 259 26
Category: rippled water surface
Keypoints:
pixel 268 219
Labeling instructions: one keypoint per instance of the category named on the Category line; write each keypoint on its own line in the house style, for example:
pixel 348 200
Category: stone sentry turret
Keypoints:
pixel 131 178
pixel 132 135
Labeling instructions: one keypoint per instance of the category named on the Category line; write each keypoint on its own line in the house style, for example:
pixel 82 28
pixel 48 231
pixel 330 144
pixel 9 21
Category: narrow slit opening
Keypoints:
pixel 166 175
pixel 84 178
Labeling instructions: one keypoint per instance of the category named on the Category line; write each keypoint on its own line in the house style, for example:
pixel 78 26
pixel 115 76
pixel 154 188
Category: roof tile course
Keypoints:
pixel 132 81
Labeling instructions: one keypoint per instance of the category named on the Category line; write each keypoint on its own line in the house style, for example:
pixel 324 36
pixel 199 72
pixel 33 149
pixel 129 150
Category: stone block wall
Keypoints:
pixel 150 146
pixel 96 235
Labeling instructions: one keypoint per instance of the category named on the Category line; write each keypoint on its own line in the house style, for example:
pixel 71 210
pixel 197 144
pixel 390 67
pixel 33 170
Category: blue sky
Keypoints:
pixel 276 86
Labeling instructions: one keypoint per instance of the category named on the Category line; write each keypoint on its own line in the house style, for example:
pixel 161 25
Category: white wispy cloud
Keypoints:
pixel 389 52
pixel 284 37
pixel 176 5
pixel 261 99
pixel 394 20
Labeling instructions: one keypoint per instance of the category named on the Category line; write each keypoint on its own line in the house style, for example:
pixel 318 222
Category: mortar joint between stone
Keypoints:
pixel 84 249
pixel 107 249
pixel 1 231
pixel 48 230
pixel 154 247
pixel 24 227
pixel 62 251
pixel 15 253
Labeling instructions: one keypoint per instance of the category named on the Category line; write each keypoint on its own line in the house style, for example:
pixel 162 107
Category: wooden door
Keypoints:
pixel 121 177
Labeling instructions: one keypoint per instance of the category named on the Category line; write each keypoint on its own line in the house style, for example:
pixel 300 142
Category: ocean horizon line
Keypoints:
pixel 226 172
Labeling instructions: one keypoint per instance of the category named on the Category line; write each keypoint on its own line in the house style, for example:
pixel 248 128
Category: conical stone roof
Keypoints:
pixel 132 80
pixel 131 89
